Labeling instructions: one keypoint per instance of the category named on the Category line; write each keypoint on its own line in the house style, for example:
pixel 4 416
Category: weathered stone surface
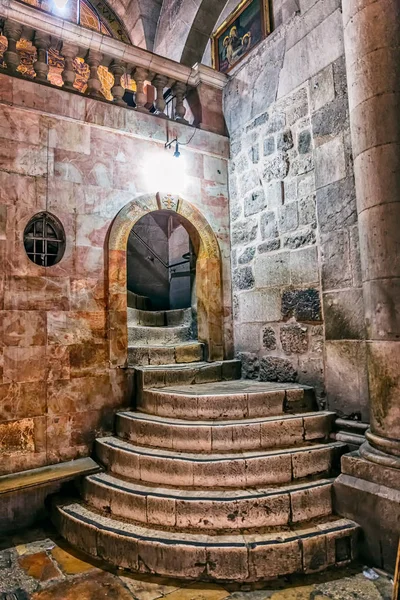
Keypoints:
pixel 248 180
pixel 269 145
pixel 272 270
pixel 243 278
pixel 330 162
pixel 276 122
pixel 331 119
pixel 344 315
pixel 336 265
pixel 276 167
pixel 304 142
pixel 300 239
pixel 254 154
pixel 284 140
pixel 306 185
pixel 250 365
pixel 247 256
pixel 254 202
pixel 288 217
pixel 304 305
pixel 346 377
pixel 294 338
pixel 322 89
pixel 244 232
pixel 307 213
pixel 269 246
pixel 257 122
pixel 273 368
pixel 268 226
pixel 274 193
pixel 260 305
pixel 269 338
pixel 336 205
pixel 304 266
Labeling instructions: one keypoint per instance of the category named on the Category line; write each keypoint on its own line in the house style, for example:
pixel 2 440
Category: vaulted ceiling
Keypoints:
pixel 177 29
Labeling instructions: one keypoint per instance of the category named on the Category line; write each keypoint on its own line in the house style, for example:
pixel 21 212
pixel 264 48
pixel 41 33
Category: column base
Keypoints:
pixel 369 493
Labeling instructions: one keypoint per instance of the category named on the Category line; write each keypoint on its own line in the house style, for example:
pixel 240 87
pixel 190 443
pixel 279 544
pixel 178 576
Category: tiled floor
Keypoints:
pixel 38 565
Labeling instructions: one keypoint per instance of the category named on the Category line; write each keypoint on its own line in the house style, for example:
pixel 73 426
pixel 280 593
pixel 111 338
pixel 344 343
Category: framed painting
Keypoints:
pixel 245 27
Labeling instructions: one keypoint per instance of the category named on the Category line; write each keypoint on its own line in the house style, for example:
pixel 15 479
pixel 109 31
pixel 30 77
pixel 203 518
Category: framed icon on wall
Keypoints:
pixel 245 27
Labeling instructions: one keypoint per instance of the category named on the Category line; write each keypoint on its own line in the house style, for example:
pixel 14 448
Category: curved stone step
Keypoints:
pixel 155 318
pixel 190 352
pixel 201 372
pixel 159 336
pixel 234 470
pixel 238 399
pixel 249 557
pixel 221 436
pixel 137 301
pixel 209 509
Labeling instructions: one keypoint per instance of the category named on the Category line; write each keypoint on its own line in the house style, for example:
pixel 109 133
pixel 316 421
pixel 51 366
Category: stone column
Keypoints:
pixel 12 32
pixel 93 59
pixel 118 70
pixel 160 82
pixel 179 89
pixel 69 52
pixel 140 77
pixel 42 44
pixel 372 40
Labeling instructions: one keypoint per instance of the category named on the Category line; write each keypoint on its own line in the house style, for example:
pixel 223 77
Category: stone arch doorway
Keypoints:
pixel 208 273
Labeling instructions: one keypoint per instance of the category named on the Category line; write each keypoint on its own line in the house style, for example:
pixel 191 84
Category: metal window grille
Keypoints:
pixel 44 240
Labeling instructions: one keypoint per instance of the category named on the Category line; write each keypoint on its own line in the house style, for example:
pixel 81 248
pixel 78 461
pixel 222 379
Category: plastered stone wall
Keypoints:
pixel 82 160
pixel 298 309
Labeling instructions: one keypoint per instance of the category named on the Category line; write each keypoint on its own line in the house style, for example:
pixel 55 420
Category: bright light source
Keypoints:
pixel 61 4
pixel 164 173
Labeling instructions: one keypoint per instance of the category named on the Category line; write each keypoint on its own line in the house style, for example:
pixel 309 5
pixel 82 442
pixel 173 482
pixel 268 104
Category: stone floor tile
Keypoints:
pixel 199 591
pixel 69 563
pixel 39 566
pixel 97 586
pixel 295 593
pixel 354 588
pixel 147 587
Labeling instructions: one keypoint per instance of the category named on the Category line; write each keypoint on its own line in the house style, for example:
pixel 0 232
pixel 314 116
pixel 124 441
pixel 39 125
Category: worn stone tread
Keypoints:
pixel 222 400
pixel 158 336
pixel 159 318
pixel 209 509
pixel 221 435
pixel 239 557
pixel 233 470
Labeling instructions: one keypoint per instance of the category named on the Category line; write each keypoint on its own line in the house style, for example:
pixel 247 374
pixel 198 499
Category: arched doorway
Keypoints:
pixel 161 262
pixel 208 273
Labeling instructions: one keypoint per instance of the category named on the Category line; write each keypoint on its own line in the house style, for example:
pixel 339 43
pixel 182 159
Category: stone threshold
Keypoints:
pixel 49 474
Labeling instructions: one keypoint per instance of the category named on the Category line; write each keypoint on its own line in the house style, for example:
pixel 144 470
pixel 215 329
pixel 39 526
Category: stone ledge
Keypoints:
pixel 47 475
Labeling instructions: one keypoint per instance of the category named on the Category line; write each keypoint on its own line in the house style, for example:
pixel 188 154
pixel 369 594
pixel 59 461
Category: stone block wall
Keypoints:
pixel 82 160
pixel 298 312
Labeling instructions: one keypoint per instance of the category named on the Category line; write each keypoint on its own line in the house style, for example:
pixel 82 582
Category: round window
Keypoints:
pixel 44 239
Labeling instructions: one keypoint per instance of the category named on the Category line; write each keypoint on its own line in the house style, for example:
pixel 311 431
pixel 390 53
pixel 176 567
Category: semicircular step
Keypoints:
pixel 237 399
pixel 230 470
pixel 241 557
pixel 220 436
pixel 140 335
pixel 181 352
pixel 153 376
pixel 209 509
pixel 159 318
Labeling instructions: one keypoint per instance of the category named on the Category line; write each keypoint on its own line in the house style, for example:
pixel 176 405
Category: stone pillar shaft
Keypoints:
pixel 372 46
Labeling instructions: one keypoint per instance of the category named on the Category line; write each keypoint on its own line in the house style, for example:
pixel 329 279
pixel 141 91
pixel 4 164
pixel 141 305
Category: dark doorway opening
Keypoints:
pixel 161 262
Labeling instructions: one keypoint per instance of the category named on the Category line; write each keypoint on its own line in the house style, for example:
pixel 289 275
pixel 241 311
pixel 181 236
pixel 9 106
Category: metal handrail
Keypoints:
pixel 150 249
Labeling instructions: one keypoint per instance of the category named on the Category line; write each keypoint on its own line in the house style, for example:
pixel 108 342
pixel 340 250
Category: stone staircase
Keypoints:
pixel 210 476
pixel 162 337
